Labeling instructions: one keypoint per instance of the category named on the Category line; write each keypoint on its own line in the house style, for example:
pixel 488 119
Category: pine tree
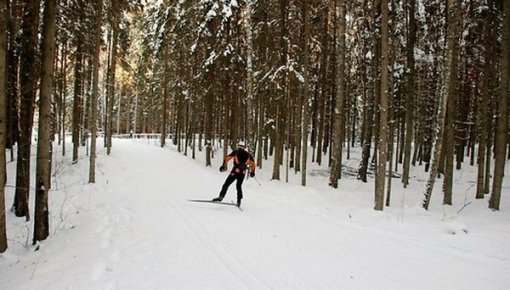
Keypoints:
pixel 502 119
pixel 446 93
pixel 305 109
pixel 339 113
pixel 95 90
pixel 410 98
pixel 3 120
pixel 380 178
pixel 29 77
pixel 44 149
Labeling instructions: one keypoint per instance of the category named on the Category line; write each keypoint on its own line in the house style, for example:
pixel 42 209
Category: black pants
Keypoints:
pixel 231 178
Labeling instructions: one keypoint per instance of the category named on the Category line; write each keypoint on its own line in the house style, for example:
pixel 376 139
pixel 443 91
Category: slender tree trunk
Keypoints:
pixel 261 134
pixel 328 12
pixel 166 80
pixel 447 91
pixel 44 151
pixel 14 12
pixel 112 74
pixel 64 103
pixel 502 119
pixel 339 113
pixel 483 112
pixel 380 178
pixel 208 119
pixel 4 14
pixel 29 78
pixel 95 91
pixel 324 83
pixel 281 100
pixel 78 80
pixel 250 117
pixel 372 84
pixel 410 93
pixel 306 93
pixel 449 133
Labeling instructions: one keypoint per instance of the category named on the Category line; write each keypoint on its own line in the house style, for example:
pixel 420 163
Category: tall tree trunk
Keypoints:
pixel 502 119
pixel 250 117
pixel 44 150
pixel 29 78
pixel 95 90
pixel 449 133
pixel 447 90
pixel 380 178
pixel 409 123
pixel 324 77
pixel 4 14
pixel 166 80
pixel 64 96
pixel 339 112
pixel 483 128
pixel 281 99
pixel 371 82
pixel 483 112
pixel 306 93
pixel 78 95
pixel 112 75
pixel 15 11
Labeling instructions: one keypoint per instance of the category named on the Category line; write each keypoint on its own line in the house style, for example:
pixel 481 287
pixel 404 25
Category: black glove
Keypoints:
pixel 252 174
pixel 223 168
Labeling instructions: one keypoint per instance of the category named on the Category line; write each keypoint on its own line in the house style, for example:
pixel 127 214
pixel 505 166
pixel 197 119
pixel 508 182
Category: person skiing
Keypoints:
pixel 243 163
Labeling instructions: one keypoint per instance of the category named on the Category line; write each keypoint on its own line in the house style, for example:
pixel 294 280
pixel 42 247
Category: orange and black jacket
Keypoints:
pixel 242 161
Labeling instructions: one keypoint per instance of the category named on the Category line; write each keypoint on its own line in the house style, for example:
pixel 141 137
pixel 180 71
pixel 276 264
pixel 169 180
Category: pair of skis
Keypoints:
pixel 232 203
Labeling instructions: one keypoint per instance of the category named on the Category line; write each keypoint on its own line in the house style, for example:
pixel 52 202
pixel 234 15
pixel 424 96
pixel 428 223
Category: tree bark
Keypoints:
pixel 166 80
pixel 78 98
pixel 95 91
pixel 15 11
pixel 483 106
pixel 447 91
pixel 250 117
pixel 44 151
pixel 339 112
pixel 502 118
pixel 371 95
pixel 449 133
pixel 112 75
pixel 380 178
pixel 409 123
pixel 29 76
pixel 306 93
pixel 3 120
pixel 281 99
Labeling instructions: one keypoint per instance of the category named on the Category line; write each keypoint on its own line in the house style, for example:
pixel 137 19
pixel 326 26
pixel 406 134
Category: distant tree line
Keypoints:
pixel 409 82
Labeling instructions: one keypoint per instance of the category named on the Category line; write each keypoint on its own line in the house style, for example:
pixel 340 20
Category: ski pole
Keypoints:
pixel 257 180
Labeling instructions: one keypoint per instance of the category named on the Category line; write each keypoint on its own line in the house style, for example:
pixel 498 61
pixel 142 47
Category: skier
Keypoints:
pixel 243 162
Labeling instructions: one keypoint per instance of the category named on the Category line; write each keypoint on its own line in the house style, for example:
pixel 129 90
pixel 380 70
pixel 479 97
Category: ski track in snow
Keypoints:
pixel 229 262
pixel 158 199
pixel 238 271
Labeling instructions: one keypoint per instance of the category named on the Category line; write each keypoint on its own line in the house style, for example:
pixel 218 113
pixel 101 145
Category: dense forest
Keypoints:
pixel 410 82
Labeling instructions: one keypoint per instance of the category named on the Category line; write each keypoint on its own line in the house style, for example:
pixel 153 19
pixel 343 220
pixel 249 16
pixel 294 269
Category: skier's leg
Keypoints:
pixel 224 188
pixel 240 179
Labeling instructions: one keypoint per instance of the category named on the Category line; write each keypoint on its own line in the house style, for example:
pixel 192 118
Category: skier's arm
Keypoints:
pixel 224 166
pixel 251 163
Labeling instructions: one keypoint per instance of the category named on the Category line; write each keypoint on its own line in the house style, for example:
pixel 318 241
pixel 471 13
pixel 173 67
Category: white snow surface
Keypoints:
pixel 135 229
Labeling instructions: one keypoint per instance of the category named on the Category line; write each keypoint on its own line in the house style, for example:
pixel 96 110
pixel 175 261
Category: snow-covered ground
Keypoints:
pixel 135 229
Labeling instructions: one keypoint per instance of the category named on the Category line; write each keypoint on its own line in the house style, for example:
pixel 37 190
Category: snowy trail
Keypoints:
pixel 136 230
pixel 295 249
pixel 163 219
